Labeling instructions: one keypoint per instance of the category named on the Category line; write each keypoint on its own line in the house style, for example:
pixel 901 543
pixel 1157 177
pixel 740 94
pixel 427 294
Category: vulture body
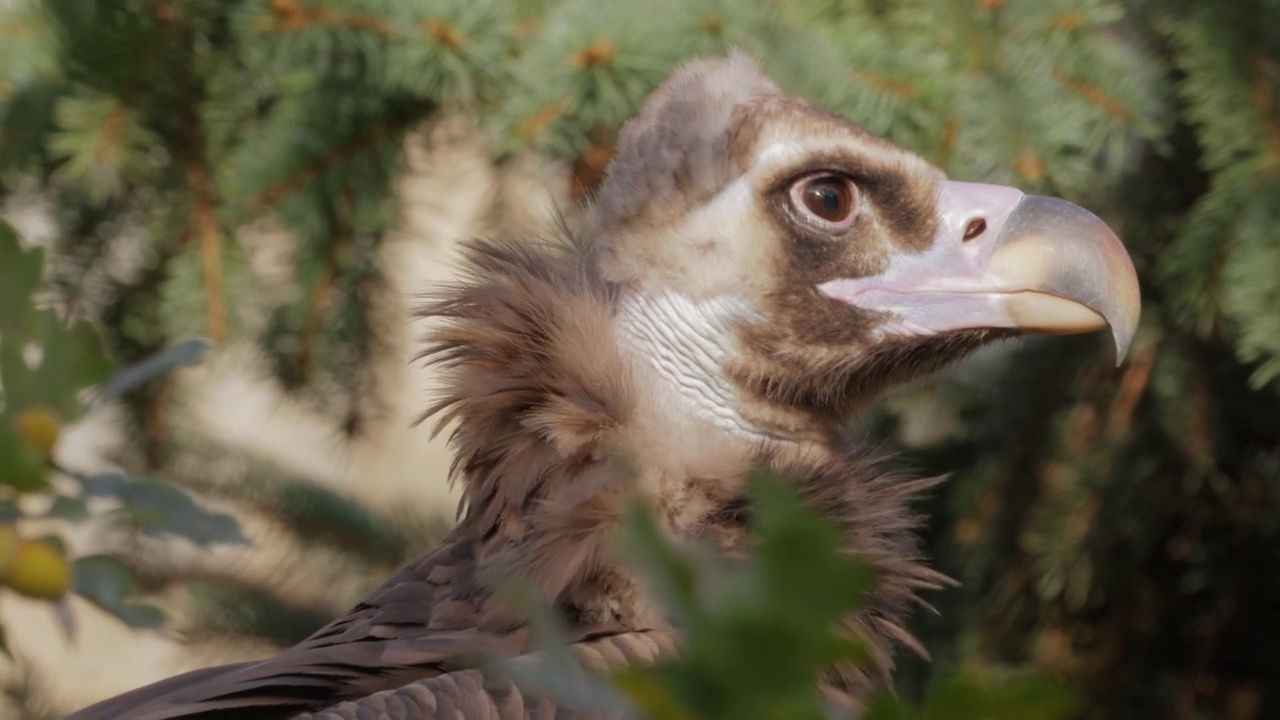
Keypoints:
pixel 754 271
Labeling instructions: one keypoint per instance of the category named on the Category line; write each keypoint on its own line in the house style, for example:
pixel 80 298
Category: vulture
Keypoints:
pixel 752 272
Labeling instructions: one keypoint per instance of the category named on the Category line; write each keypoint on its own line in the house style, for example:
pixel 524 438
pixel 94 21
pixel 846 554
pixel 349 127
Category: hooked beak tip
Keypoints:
pixel 1044 265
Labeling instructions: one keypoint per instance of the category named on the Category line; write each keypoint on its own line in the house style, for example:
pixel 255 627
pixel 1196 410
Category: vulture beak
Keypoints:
pixel 1004 259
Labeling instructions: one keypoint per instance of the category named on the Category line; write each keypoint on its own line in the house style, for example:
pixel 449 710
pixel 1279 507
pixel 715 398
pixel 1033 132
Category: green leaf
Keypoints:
pixel 161 508
pixel 827 584
pixel 652 696
pixel 671 573
pixel 68 508
pixel 20 467
pixel 73 358
pixel 108 484
pixel 20 274
pixel 759 630
pixel 107 583
pixel 15 378
pixel 886 706
pixel 978 694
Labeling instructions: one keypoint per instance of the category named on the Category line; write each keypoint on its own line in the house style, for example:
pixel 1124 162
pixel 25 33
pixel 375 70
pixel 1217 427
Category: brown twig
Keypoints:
pixel 202 217
pixel 110 133
pixel 204 223
pixel 325 163
pixel 1264 84
pixel 292 16
pixel 884 84
pixel 1133 385
pixel 946 142
pixel 531 127
pixel 1094 95
pixel 589 168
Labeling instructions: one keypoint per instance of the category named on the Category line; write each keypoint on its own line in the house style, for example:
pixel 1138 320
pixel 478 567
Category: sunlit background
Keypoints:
pixel 248 194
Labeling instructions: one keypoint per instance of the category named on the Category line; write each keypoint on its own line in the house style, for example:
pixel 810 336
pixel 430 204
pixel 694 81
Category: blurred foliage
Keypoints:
pixel 1117 529
pixel 47 364
pixel 757 631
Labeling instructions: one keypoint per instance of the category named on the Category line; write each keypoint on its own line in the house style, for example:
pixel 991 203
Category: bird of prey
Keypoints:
pixel 752 272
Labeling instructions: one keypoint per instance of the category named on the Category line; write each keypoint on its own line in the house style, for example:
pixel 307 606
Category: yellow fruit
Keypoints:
pixel 39 571
pixel 38 427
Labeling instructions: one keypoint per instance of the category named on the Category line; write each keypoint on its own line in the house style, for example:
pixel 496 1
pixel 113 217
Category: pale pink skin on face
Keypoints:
pixel 1002 259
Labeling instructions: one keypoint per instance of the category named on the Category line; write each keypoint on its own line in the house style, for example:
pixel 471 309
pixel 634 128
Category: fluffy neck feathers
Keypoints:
pixel 548 376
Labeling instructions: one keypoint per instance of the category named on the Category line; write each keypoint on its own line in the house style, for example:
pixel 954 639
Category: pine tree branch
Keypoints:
pixel 202 213
pixel 1028 164
pixel 1069 21
pixel 875 81
pixel 205 224
pixel 1214 273
pixel 1079 431
pixel 316 300
pixel 534 125
pixel 1201 409
pixel 444 33
pixel 111 133
pixel 1264 87
pixel 150 403
pixel 323 164
pixel 1133 385
pixel 589 168
pixel 947 142
pixel 291 16
pixel 1093 95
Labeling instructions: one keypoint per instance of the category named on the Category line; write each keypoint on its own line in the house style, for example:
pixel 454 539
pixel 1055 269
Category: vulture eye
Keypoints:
pixel 827 200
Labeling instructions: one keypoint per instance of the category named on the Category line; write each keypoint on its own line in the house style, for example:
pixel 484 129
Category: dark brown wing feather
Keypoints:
pixel 474 694
pixel 419 624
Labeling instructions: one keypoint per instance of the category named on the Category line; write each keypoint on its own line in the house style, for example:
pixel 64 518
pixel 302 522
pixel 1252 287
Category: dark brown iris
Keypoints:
pixel 829 198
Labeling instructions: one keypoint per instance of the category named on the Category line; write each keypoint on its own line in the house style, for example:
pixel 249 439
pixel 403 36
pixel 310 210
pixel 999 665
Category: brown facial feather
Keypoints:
pixel 686 142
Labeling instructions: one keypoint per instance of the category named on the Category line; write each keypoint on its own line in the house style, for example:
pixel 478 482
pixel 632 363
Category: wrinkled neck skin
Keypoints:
pixel 569 396
pixel 692 435
pixel 680 348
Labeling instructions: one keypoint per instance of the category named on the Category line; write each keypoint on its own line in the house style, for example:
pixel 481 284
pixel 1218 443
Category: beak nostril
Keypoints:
pixel 976 227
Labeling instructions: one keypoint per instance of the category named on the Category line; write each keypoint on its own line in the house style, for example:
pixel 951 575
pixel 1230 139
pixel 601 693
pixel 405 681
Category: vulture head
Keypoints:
pixel 779 266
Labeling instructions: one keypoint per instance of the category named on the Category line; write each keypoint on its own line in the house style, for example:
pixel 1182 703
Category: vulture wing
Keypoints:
pixel 417 624
pixel 410 650
pixel 474 694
